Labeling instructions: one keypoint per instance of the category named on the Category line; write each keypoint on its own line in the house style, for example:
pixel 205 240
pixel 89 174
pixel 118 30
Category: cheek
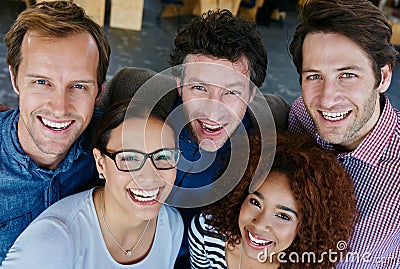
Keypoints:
pixel 307 93
pixel 85 109
pixel 189 106
pixel 168 176
pixel 288 234
pixel 237 110
pixel 244 216
pixel 30 102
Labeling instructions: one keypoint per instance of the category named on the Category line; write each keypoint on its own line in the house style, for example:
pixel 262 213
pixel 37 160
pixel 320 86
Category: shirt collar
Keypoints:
pixel 372 148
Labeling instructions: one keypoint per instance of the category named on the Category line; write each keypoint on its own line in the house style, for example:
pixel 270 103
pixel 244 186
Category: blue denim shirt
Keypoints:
pixel 26 189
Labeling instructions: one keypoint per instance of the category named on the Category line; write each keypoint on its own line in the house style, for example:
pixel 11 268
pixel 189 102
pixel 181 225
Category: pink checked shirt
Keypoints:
pixel 375 169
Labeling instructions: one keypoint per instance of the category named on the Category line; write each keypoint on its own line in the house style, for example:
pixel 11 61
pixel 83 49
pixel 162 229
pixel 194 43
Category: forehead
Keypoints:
pixel 142 134
pixel 77 50
pixel 277 188
pixel 217 71
pixel 332 49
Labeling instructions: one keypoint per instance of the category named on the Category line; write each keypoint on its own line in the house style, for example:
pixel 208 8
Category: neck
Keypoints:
pixel 120 237
pixel 115 217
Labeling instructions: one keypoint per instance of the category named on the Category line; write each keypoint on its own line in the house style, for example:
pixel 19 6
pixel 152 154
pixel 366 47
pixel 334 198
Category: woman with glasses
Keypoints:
pixel 123 224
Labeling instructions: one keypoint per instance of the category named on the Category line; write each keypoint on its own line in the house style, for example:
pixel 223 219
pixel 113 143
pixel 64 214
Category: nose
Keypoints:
pixel 262 223
pixel 329 93
pixel 147 173
pixel 215 104
pixel 59 102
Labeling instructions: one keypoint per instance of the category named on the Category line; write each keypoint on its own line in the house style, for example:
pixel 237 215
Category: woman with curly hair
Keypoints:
pixel 296 218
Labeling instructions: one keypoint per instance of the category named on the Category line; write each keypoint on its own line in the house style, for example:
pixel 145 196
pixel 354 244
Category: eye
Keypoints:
pixel 79 87
pixel 233 92
pixel 313 77
pixel 126 157
pixel 283 216
pixel 199 88
pixel 255 202
pixel 348 75
pixel 162 157
pixel 41 82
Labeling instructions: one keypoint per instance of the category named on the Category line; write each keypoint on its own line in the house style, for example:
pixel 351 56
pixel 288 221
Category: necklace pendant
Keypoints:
pixel 128 253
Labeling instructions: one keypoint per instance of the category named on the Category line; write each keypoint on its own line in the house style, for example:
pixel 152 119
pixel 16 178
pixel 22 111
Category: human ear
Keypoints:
pixel 99 160
pixel 178 86
pixel 386 78
pixel 98 97
pixel 252 93
pixel 13 80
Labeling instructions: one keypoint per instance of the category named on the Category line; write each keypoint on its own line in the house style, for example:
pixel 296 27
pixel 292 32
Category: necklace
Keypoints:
pixel 129 251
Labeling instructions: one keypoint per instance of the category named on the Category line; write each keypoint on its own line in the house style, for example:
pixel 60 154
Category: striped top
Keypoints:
pixel 207 248
pixel 375 169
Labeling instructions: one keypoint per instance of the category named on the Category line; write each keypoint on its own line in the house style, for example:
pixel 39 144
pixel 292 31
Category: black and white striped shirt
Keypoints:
pixel 207 248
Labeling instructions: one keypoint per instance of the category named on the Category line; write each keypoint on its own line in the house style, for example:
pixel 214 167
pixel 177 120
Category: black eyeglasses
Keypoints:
pixel 132 160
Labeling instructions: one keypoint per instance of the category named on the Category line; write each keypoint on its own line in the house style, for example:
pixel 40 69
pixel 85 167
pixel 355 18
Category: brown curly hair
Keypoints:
pixel 322 189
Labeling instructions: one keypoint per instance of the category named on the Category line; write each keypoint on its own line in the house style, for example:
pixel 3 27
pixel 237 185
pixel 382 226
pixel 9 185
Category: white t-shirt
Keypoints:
pixel 68 235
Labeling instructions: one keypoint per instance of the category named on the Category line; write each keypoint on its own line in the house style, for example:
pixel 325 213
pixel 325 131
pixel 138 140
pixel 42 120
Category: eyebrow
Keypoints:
pixel 351 67
pixel 89 81
pixel 282 207
pixel 36 76
pixel 229 85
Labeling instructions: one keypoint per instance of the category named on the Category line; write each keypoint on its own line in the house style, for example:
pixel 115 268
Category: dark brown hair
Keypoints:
pixel 221 35
pixel 358 20
pixel 124 109
pixel 322 189
pixel 57 19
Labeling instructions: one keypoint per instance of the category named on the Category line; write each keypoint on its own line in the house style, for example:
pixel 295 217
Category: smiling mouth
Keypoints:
pixel 144 195
pixel 259 242
pixel 334 116
pixel 56 126
pixel 210 128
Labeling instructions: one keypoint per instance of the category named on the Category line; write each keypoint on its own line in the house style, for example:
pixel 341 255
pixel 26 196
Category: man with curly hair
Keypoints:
pixel 218 61
pixel 344 57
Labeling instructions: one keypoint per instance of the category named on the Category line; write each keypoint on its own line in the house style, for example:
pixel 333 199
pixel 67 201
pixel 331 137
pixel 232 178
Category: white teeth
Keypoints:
pixel 145 196
pixel 210 127
pixel 56 125
pixel 258 241
pixel 334 116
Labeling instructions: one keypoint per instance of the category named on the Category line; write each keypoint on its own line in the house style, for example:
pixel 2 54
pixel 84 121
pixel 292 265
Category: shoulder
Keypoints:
pixel 8 119
pixel 50 235
pixel 68 208
pixel 200 225
pixel 300 121
pixel 298 108
pixel 11 114
pixel 397 112
pixel 170 219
